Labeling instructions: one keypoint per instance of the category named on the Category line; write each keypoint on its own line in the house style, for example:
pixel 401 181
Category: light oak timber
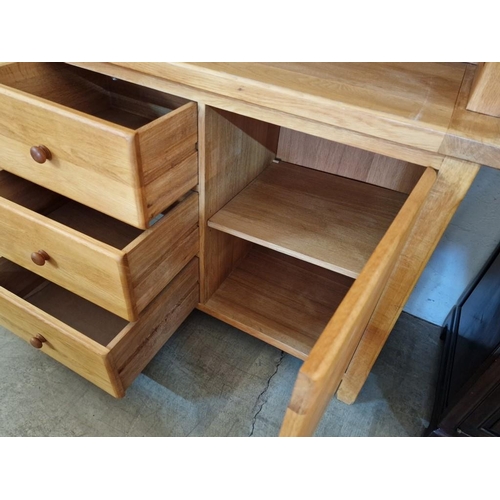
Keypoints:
pixel 202 153
pixel 322 372
pixel 408 103
pixel 136 345
pixel 104 349
pixel 415 125
pixel 77 262
pixel 328 156
pixel 33 197
pixel 453 182
pixel 327 220
pixel 18 280
pixel 92 156
pixel 279 299
pixel 171 185
pixel 66 345
pixel 309 126
pixel 485 93
pixel 236 149
pixel 162 251
pixel 472 136
pixel 93 255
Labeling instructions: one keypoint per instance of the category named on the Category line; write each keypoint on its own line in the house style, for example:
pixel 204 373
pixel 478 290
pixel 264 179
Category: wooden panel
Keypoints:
pixel 472 136
pixel 59 83
pixel 327 220
pixel 93 321
pixel 18 280
pixel 453 182
pixel 334 158
pixel 92 157
pixel 278 299
pixel 170 186
pixel 72 136
pixel 26 194
pixel 92 223
pixel 485 93
pixel 77 262
pixel 163 250
pixel 167 141
pixel 274 116
pixel 407 103
pixel 322 372
pixel 136 345
pixel 64 344
pixel 235 150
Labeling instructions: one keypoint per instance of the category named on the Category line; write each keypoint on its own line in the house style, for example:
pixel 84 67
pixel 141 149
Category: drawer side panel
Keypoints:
pixel 137 345
pixel 163 250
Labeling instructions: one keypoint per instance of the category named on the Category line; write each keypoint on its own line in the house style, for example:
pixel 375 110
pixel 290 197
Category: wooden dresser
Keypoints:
pixel 297 202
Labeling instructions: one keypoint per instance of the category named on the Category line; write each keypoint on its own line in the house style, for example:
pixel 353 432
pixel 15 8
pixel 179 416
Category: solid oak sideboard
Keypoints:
pixel 299 202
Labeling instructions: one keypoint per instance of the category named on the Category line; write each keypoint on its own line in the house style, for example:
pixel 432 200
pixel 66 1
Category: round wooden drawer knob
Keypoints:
pixel 40 257
pixel 37 341
pixel 40 154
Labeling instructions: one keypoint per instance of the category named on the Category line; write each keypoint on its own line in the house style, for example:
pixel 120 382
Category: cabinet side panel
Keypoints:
pixel 233 151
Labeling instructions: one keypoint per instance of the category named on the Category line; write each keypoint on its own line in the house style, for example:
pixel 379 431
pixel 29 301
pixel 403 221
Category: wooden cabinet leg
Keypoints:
pixel 454 179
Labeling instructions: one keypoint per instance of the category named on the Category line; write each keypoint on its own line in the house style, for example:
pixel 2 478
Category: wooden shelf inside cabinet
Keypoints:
pixel 281 300
pixel 327 220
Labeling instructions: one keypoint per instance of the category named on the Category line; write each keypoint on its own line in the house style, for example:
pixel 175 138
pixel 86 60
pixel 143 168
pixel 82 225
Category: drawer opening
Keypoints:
pixel 84 316
pixel 282 300
pixel 71 213
pixel 101 96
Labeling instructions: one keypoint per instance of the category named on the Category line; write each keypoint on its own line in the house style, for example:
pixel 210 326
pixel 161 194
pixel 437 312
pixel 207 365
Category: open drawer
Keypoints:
pixel 112 264
pixel 120 148
pixel 99 346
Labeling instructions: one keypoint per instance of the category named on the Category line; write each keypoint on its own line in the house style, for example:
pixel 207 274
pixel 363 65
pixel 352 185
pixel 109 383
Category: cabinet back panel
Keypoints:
pixel 329 156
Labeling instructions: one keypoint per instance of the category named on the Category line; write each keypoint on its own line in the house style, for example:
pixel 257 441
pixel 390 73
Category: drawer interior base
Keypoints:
pixel 113 100
pixel 85 317
pixel 70 213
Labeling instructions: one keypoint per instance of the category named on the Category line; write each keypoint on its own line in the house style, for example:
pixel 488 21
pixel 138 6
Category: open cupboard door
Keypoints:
pixel 321 373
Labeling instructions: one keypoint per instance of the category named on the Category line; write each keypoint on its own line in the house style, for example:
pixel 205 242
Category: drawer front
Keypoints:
pixel 131 172
pixel 77 262
pixel 91 162
pixel 123 280
pixel 64 344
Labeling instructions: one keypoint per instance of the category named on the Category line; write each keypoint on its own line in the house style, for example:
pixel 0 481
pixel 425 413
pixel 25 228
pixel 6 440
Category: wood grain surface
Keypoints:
pixel 320 375
pixel 279 299
pixel 327 220
pixel 453 182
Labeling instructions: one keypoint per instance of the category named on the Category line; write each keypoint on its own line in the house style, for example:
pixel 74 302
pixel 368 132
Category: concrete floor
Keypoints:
pixel 213 380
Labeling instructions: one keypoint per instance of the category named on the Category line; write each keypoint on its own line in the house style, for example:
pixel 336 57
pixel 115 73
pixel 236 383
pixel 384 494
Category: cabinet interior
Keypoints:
pixel 291 221
pixel 101 96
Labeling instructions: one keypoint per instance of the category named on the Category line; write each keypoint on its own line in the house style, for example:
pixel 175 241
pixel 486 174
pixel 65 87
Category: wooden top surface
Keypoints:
pixel 412 104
